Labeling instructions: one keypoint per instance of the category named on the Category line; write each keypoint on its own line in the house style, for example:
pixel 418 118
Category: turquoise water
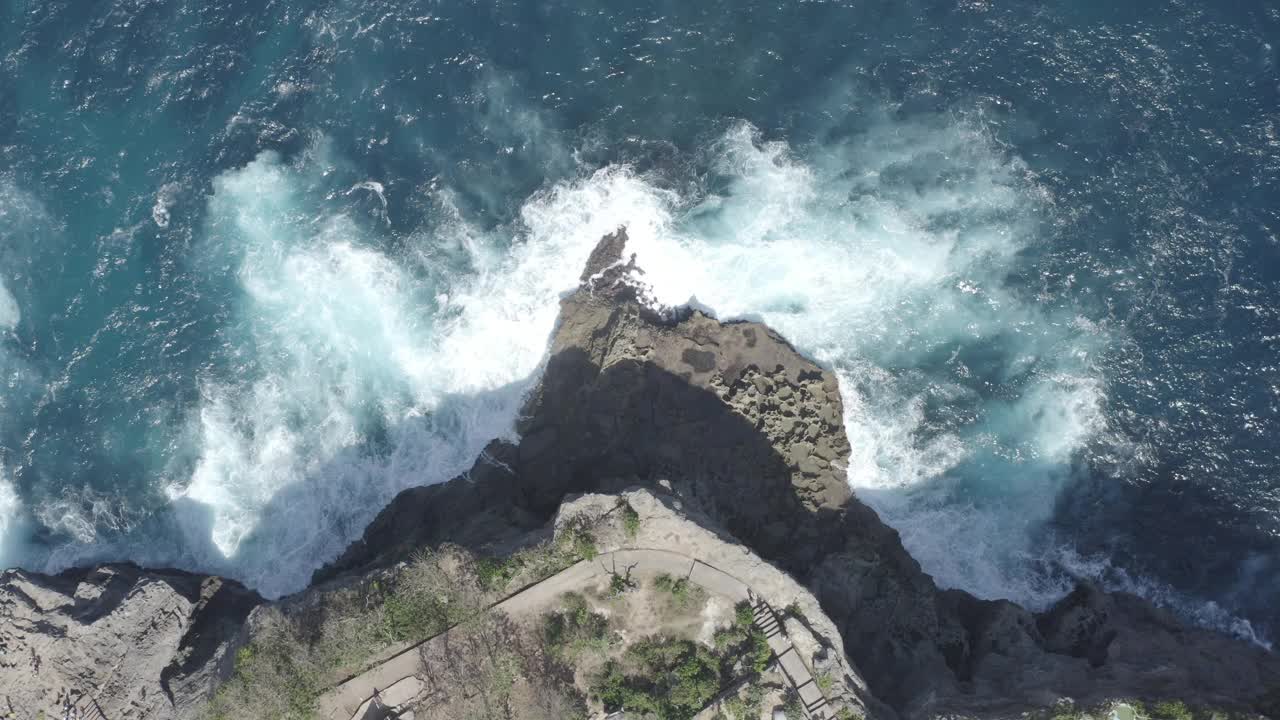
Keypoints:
pixel 264 265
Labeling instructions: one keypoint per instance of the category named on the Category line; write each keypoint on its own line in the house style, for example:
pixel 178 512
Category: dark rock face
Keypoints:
pixel 137 643
pixel 742 427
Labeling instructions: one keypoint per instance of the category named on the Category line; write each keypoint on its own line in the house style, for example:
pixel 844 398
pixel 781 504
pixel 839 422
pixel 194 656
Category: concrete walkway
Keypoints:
pixel 396 678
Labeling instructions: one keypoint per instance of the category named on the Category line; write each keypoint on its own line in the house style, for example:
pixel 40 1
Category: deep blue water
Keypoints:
pixel 265 264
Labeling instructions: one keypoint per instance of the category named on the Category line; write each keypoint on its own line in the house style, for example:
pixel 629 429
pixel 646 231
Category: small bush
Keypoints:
pixel 579 539
pixel 1171 710
pixel 845 713
pixel 675 679
pixel 761 653
pixel 630 519
pixel 825 683
pixel 576 629
pixel 744 616
pixel 726 638
pixel 683 592
pixel 746 708
pixel 620 583
pixel 494 574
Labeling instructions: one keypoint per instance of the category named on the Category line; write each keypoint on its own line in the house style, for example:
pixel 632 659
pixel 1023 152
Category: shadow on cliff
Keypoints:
pixel 635 424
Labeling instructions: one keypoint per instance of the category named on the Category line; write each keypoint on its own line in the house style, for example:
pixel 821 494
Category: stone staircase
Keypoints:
pixel 811 697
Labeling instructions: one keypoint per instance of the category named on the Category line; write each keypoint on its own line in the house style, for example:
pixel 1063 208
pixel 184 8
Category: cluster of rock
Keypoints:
pixel 747 435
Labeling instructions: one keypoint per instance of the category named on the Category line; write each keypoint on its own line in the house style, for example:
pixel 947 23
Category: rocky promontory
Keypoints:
pixel 723 423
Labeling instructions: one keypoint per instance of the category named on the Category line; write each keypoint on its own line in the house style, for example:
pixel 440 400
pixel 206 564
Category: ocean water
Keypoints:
pixel 265 264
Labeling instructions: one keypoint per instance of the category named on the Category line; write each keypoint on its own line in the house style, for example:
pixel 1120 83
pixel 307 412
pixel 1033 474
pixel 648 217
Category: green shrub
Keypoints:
pixel 580 540
pixel 620 583
pixel 726 638
pixel 744 615
pixel 630 519
pixel 683 592
pixel 845 713
pixel 673 679
pixel 1171 710
pixel 761 653
pixel 825 683
pixel 576 630
pixel 494 574
pixel 746 708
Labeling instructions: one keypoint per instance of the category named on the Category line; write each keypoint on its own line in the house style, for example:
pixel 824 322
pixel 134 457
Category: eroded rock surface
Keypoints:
pixel 138 643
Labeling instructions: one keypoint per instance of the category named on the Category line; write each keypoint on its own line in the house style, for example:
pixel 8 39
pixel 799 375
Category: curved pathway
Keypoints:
pixel 395 681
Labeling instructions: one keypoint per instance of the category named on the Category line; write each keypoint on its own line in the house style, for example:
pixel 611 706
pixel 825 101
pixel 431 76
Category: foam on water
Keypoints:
pixel 10 512
pixel 361 374
pixel 886 259
pixel 10 314
pixel 349 371
pixel 885 256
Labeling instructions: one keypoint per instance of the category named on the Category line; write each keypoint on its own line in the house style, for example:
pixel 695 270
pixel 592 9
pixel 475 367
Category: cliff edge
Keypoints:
pixel 743 428
pixel 726 424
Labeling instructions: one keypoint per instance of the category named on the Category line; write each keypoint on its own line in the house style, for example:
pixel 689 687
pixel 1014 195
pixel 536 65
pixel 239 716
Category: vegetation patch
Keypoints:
pixel 673 679
pixel 576 630
pixel 490 670
pixel 291 661
pixel 746 705
pixel 630 519
pixel 668 679
pixel 683 593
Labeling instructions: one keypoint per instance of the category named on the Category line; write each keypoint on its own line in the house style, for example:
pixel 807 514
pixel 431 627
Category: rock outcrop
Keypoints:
pixel 749 433
pixel 115 641
pixel 741 433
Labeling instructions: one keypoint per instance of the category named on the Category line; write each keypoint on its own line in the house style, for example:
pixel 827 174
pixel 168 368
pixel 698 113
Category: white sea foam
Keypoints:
pixel 863 259
pixel 10 511
pixel 869 262
pixel 348 341
pixel 10 314
pixel 885 257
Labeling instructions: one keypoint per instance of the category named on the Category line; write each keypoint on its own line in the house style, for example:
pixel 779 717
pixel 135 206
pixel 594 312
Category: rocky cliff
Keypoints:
pixel 743 428
pixel 738 429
